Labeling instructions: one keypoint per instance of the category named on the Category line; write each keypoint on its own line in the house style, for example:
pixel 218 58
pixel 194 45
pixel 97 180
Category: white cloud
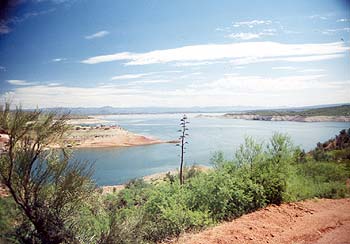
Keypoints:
pixel 316 16
pixel 244 36
pixel 186 64
pixel 153 81
pixel 291 32
pixel 185 76
pixel 4 29
pixel 223 29
pixel 236 82
pixel 129 76
pixel 141 75
pixel 343 20
pixel 284 68
pixel 215 52
pixel 65 96
pixel 54 84
pixel 311 70
pixel 332 31
pixel 5 24
pixel 19 82
pixel 252 23
pixel 58 59
pixel 2 68
pixel 54 1
pixel 311 58
pixel 227 90
pixel 97 35
pixel 244 61
pixel 250 35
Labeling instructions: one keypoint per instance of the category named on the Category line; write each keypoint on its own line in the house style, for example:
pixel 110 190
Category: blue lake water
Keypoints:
pixel 207 136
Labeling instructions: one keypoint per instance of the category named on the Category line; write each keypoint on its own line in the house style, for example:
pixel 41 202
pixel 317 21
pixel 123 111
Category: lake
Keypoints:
pixel 206 136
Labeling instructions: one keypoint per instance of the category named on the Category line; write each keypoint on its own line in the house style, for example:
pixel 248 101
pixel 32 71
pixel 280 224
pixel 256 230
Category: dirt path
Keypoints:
pixel 313 221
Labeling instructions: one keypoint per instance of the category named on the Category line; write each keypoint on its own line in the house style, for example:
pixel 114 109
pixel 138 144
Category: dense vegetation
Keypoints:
pixel 335 149
pixel 259 174
pixel 46 187
pixel 343 110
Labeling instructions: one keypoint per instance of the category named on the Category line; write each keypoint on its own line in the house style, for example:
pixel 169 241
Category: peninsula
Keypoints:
pixel 83 136
pixel 328 114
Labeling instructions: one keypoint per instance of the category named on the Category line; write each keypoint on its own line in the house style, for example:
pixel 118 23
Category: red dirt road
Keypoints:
pixel 322 221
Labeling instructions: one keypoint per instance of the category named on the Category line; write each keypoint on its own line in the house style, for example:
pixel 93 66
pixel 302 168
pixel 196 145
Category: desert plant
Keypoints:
pixel 182 144
pixel 45 184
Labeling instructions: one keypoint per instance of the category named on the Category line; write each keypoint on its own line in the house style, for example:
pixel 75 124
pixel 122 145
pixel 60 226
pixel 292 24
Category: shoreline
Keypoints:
pixel 82 134
pixel 292 118
pixel 108 189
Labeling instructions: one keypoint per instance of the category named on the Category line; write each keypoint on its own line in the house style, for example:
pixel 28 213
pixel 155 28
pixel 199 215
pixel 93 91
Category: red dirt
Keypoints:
pixel 319 221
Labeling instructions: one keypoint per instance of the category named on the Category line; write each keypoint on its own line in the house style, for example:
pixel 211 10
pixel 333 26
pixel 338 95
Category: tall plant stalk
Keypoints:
pixel 182 138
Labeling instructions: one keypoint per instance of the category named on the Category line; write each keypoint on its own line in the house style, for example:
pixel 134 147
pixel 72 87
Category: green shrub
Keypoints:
pixel 340 155
pixel 260 174
pixel 319 154
pixel 9 215
pixel 300 155
pixel 168 214
pixel 225 195
pixel 316 179
pixel 323 171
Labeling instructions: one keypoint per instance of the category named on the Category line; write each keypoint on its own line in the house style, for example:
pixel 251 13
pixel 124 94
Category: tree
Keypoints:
pixel 45 184
pixel 249 153
pixel 183 141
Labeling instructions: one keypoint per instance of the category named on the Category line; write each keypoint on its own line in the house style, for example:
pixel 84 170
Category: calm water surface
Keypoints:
pixel 207 135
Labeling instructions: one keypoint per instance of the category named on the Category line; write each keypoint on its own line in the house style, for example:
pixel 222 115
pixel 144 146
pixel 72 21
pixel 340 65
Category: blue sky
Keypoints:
pixel 83 53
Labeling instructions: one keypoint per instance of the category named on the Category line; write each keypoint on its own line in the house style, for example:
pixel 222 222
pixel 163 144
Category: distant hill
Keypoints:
pixel 339 113
pixel 342 110
pixel 154 110
pixel 148 110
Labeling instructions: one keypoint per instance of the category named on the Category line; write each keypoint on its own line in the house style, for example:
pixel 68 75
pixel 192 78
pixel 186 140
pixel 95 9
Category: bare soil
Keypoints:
pixel 105 136
pixel 319 221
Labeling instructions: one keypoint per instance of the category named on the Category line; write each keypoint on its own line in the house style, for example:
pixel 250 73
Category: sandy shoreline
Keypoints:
pixel 150 178
pixel 147 178
pixel 105 136
pixel 83 134
pixel 86 121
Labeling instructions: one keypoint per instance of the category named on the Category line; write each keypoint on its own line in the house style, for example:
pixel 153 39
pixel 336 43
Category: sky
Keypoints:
pixel 93 53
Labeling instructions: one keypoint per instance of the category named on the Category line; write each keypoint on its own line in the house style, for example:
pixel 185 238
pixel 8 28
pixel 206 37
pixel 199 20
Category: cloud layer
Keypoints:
pixel 19 82
pixel 233 51
pixel 227 90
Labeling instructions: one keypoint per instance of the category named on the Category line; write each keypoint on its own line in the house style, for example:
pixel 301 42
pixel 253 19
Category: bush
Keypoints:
pixel 341 155
pixel 168 214
pixel 47 187
pixel 320 155
pixel 9 215
pixel 300 156
pixel 260 174
pixel 225 195
pixel 316 179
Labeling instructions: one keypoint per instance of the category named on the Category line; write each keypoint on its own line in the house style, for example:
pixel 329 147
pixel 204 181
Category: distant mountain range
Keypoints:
pixel 155 110
pixel 339 113
pixel 149 110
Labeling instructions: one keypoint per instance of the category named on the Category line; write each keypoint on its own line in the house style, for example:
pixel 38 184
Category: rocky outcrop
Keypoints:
pixel 296 118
